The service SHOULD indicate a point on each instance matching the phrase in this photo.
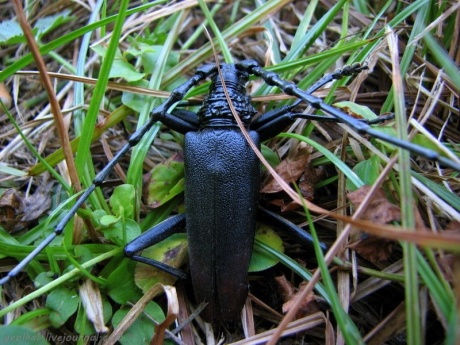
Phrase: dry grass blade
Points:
(294, 327)
(138, 308)
(173, 311)
(56, 109)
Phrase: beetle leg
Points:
(188, 116)
(292, 89)
(274, 121)
(181, 121)
(339, 73)
(271, 218)
(152, 236)
(157, 114)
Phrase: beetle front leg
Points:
(182, 121)
(274, 121)
(188, 116)
(152, 236)
(292, 89)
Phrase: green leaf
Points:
(120, 228)
(421, 140)
(353, 108)
(166, 181)
(96, 217)
(108, 220)
(390, 131)
(123, 69)
(5, 169)
(172, 251)
(271, 156)
(47, 24)
(20, 335)
(150, 54)
(142, 330)
(122, 201)
(83, 253)
(101, 50)
(368, 171)
(260, 261)
(64, 303)
(43, 279)
(135, 101)
(116, 232)
(120, 283)
(11, 33)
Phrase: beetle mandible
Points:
(223, 179)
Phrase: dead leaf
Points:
(10, 203)
(290, 170)
(37, 203)
(373, 248)
(446, 264)
(285, 207)
(173, 311)
(5, 97)
(307, 182)
(289, 294)
(308, 305)
(379, 211)
(284, 287)
(17, 212)
(90, 296)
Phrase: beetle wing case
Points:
(223, 181)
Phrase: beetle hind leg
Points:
(152, 236)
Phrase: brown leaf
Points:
(10, 204)
(16, 212)
(10, 199)
(373, 248)
(284, 287)
(290, 171)
(289, 294)
(453, 227)
(285, 205)
(307, 307)
(446, 263)
(307, 182)
(90, 296)
(36, 204)
(378, 211)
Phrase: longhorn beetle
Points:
(223, 179)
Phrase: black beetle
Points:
(222, 179)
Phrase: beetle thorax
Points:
(216, 111)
